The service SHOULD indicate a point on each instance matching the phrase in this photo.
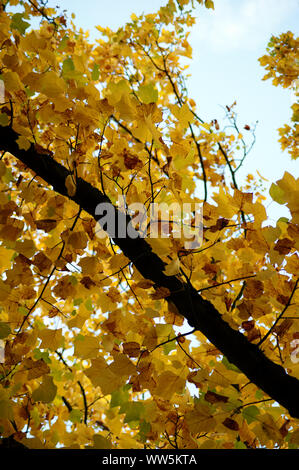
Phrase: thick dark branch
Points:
(200, 313)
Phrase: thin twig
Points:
(279, 316)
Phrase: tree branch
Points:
(200, 313)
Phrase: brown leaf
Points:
(89, 226)
(245, 309)
(42, 262)
(132, 161)
(160, 293)
(46, 224)
(231, 424)
(87, 282)
(248, 325)
(284, 429)
(132, 349)
(220, 224)
(41, 150)
(284, 246)
(282, 299)
(213, 397)
(36, 368)
(23, 259)
(254, 289)
(145, 284)
(181, 339)
(253, 334)
(283, 327)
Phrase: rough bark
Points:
(200, 313)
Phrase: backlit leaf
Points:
(46, 392)
(148, 94)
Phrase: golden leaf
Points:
(70, 185)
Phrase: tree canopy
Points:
(118, 332)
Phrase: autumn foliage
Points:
(118, 343)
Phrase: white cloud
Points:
(243, 24)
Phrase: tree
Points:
(105, 335)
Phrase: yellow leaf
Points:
(51, 339)
(161, 246)
(86, 347)
(173, 268)
(25, 247)
(117, 90)
(12, 82)
(105, 303)
(90, 265)
(122, 366)
(76, 322)
(6, 257)
(51, 85)
(168, 384)
(101, 442)
(5, 405)
(23, 143)
(101, 376)
(4, 290)
(70, 185)
(183, 114)
(200, 419)
(46, 392)
(78, 240)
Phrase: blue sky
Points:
(227, 43)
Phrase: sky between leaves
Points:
(227, 43)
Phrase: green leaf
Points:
(144, 429)
(4, 330)
(95, 74)
(134, 410)
(120, 397)
(73, 280)
(277, 194)
(259, 394)
(4, 121)
(70, 73)
(51, 211)
(101, 442)
(23, 310)
(63, 43)
(17, 22)
(250, 413)
(229, 365)
(209, 4)
(147, 94)
(169, 347)
(88, 305)
(75, 416)
(38, 354)
(283, 219)
(67, 67)
(240, 445)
